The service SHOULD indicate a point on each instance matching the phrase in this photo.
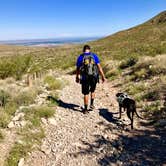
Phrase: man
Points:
(87, 73)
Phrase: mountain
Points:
(148, 38)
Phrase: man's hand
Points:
(103, 79)
(77, 79)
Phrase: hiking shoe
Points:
(85, 111)
(92, 107)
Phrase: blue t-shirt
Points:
(81, 57)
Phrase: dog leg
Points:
(132, 119)
(129, 116)
(120, 111)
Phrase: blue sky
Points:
(26, 19)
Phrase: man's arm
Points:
(101, 72)
(77, 74)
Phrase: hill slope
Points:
(148, 38)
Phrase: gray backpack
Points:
(89, 66)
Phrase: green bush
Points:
(34, 115)
(1, 136)
(11, 108)
(14, 67)
(18, 151)
(25, 98)
(151, 95)
(134, 89)
(53, 83)
(131, 61)
(153, 110)
(4, 98)
(4, 118)
(112, 74)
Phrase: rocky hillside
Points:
(148, 38)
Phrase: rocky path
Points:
(6, 144)
(97, 138)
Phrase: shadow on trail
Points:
(137, 147)
(65, 105)
(107, 115)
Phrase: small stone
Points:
(11, 125)
(18, 116)
(44, 121)
(43, 95)
(45, 149)
(21, 162)
(20, 142)
(23, 123)
(52, 121)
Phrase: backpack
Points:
(89, 66)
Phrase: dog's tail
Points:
(135, 110)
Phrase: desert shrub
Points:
(134, 89)
(20, 150)
(11, 108)
(151, 95)
(14, 67)
(35, 114)
(31, 135)
(45, 112)
(154, 110)
(4, 118)
(1, 136)
(141, 74)
(148, 67)
(112, 74)
(53, 83)
(128, 62)
(4, 98)
(25, 97)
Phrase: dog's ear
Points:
(118, 94)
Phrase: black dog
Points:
(127, 103)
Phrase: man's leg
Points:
(92, 98)
(86, 97)
(85, 92)
(92, 89)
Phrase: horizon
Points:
(71, 19)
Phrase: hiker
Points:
(87, 74)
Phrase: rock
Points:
(18, 116)
(11, 125)
(52, 121)
(21, 162)
(43, 95)
(20, 142)
(40, 102)
(17, 123)
(44, 121)
(45, 149)
(23, 123)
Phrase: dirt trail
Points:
(6, 144)
(97, 138)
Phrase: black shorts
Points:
(89, 85)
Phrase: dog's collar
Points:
(121, 98)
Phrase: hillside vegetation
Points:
(146, 39)
(134, 60)
(124, 52)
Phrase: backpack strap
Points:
(91, 54)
